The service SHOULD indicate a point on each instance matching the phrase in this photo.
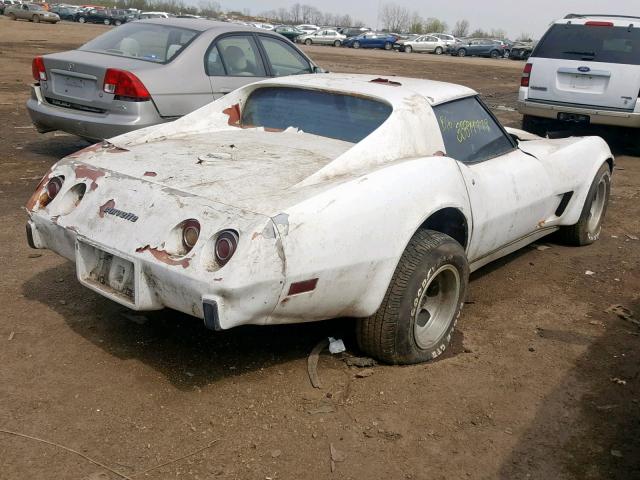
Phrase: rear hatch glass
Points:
(143, 41)
(593, 43)
(332, 115)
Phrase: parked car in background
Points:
(371, 40)
(353, 31)
(322, 37)
(135, 75)
(264, 26)
(504, 46)
(585, 70)
(288, 31)
(7, 3)
(104, 16)
(521, 50)
(66, 12)
(32, 12)
(424, 44)
(402, 39)
(307, 28)
(146, 15)
(207, 216)
(445, 37)
(479, 47)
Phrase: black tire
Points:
(106, 21)
(430, 262)
(589, 226)
(462, 52)
(337, 43)
(308, 41)
(81, 20)
(388, 45)
(35, 19)
(408, 48)
(13, 17)
(117, 23)
(356, 44)
(438, 51)
(536, 125)
(494, 54)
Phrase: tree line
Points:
(301, 14)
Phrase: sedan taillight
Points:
(125, 85)
(38, 71)
(526, 75)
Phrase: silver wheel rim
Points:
(407, 49)
(437, 306)
(597, 206)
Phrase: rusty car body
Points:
(249, 211)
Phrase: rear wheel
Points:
(356, 44)
(589, 226)
(13, 17)
(494, 54)
(462, 52)
(117, 23)
(388, 46)
(35, 19)
(438, 51)
(422, 304)
(106, 21)
(408, 49)
(337, 43)
(81, 20)
(308, 41)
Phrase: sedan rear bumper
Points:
(90, 125)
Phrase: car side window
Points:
(283, 58)
(240, 56)
(470, 132)
(214, 64)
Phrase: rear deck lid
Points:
(592, 64)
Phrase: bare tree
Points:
(461, 29)
(524, 37)
(498, 33)
(394, 17)
(434, 25)
(296, 13)
(479, 33)
(416, 23)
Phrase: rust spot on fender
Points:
(150, 174)
(386, 81)
(110, 204)
(85, 171)
(164, 257)
(233, 112)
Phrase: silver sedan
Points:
(425, 43)
(152, 71)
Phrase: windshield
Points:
(592, 43)
(144, 41)
(332, 115)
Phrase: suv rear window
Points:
(332, 115)
(592, 43)
(144, 41)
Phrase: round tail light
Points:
(226, 245)
(190, 234)
(51, 190)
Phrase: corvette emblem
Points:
(119, 213)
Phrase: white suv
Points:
(584, 70)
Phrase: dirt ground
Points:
(541, 383)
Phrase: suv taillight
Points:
(526, 75)
(38, 71)
(125, 85)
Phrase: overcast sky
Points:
(516, 17)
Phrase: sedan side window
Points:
(469, 131)
(283, 58)
(240, 56)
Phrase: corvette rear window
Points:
(591, 43)
(143, 41)
(332, 115)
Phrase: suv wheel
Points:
(117, 23)
(462, 52)
(494, 54)
(81, 20)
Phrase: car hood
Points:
(251, 169)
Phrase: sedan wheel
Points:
(422, 304)
(36, 19)
(356, 44)
(462, 52)
(438, 51)
(117, 23)
(337, 43)
(13, 17)
(408, 49)
(81, 20)
(494, 54)
(308, 41)
(388, 46)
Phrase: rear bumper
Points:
(597, 116)
(93, 126)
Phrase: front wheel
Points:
(117, 23)
(308, 41)
(423, 302)
(36, 19)
(388, 46)
(589, 226)
(356, 44)
(462, 52)
(438, 51)
(494, 54)
(408, 49)
(106, 21)
(13, 17)
(81, 20)
(337, 43)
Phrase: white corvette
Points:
(313, 197)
